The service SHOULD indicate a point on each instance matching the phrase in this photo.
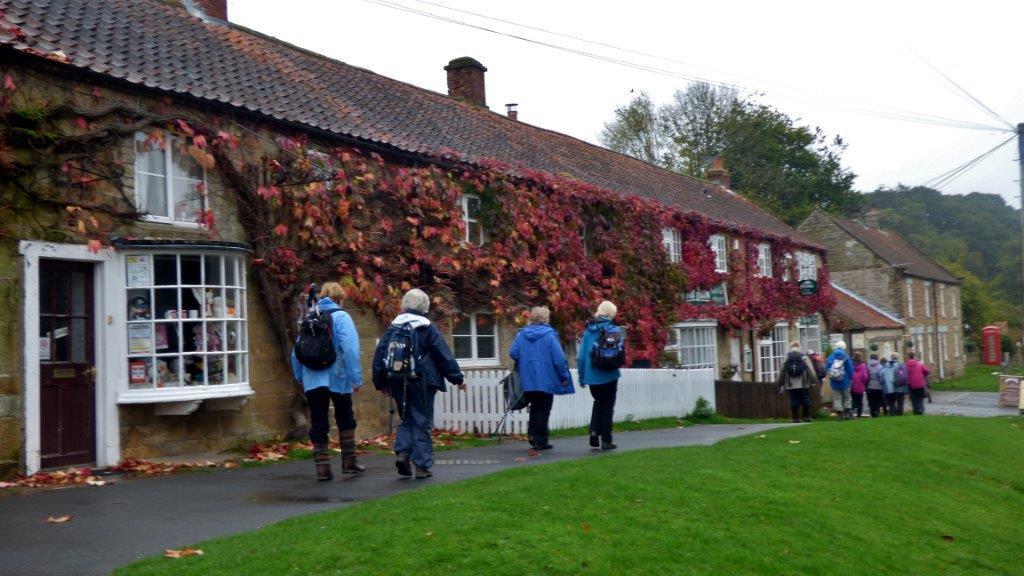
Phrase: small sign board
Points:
(808, 287)
(716, 295)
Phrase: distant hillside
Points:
(976, 233)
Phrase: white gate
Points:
(642, 394)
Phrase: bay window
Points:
(694, 346)
(185, 321)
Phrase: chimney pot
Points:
(512, 109)
(466, 80)
(718, 173)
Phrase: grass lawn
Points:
(977, 378)
(933, 495)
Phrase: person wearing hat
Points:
(840, 373)
(797, 377)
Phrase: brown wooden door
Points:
(66, 363)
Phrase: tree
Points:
(786, 168)
(637, 131)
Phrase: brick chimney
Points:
(717, 173)
(213, 8)
(513, 110)
(466, 80)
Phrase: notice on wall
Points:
(140, 338)
(44, 348)
(139, 270)
(858, 341)
(60, 332)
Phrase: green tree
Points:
(786, 168)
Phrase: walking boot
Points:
(796, 414)
(807, 414)
(422, 473)
(349, 463)
(402, 463)
(322, 461)
(607, 444)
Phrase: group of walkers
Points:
(411, 363)
(885, 381)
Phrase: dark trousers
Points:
(917, 396)
(876, 402)
(895, 401)
(413, 434)
(540, 412)
(800, 399)
(858, 403)
(604, 409)
(319, 422)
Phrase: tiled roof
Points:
(160, 46)
(858, 313)
(892, 248)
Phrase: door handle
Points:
(91, 371)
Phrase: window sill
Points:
(487, 363)
(169, 222)
(184, 394)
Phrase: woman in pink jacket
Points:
(917, 381)
(859, 383)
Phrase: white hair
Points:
(540, 315)
(416, 300)
(607, 309)
(840, 345)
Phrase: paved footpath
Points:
(131, 519)
(962, 403)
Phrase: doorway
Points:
(67, 373)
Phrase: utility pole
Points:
(1020, 163)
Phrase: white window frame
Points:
(475, 360)
(942, 300)
(807, 266)
(170, 141)
(695, 345)
(217, 316)
(718, 246)
(764, 260)
(809, 331)
(956, 344)
(772, 352)
(952, 303)
(944, 346)
(786, 276)
(927, 299)
(930, 339)
(672, 241)
(464, 202)
(910, 297)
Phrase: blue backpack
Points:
(609, 350)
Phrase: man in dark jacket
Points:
(415, 396)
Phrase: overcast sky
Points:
(809, 59)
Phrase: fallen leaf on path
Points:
(7, 484)
(429, 534)
(96, 482)
(230, 464)
(585, 526)
(759, 436)
(520, 459)
(59, 519)
(794, 441)
(182, 553)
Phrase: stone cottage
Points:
(171, 181)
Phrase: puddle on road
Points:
(275, 498)
(461, 461)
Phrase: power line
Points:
(899, 115)
(938, 182)
(962, 92)
(901, 111)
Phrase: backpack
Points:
(819, 366)
(609, 350)
(314, 348)
(901, 375)
(400, 354)
(512, 385)
(838, 370)
(795, 366)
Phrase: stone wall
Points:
(11, 421)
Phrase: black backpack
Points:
(795, 366)
(314, 348)
(400, 354)
(609, 350)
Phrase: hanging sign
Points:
(808, 287)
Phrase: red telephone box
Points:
(991, 350)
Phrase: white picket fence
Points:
(642, 394)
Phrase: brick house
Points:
(896, 277)
(163, 343)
